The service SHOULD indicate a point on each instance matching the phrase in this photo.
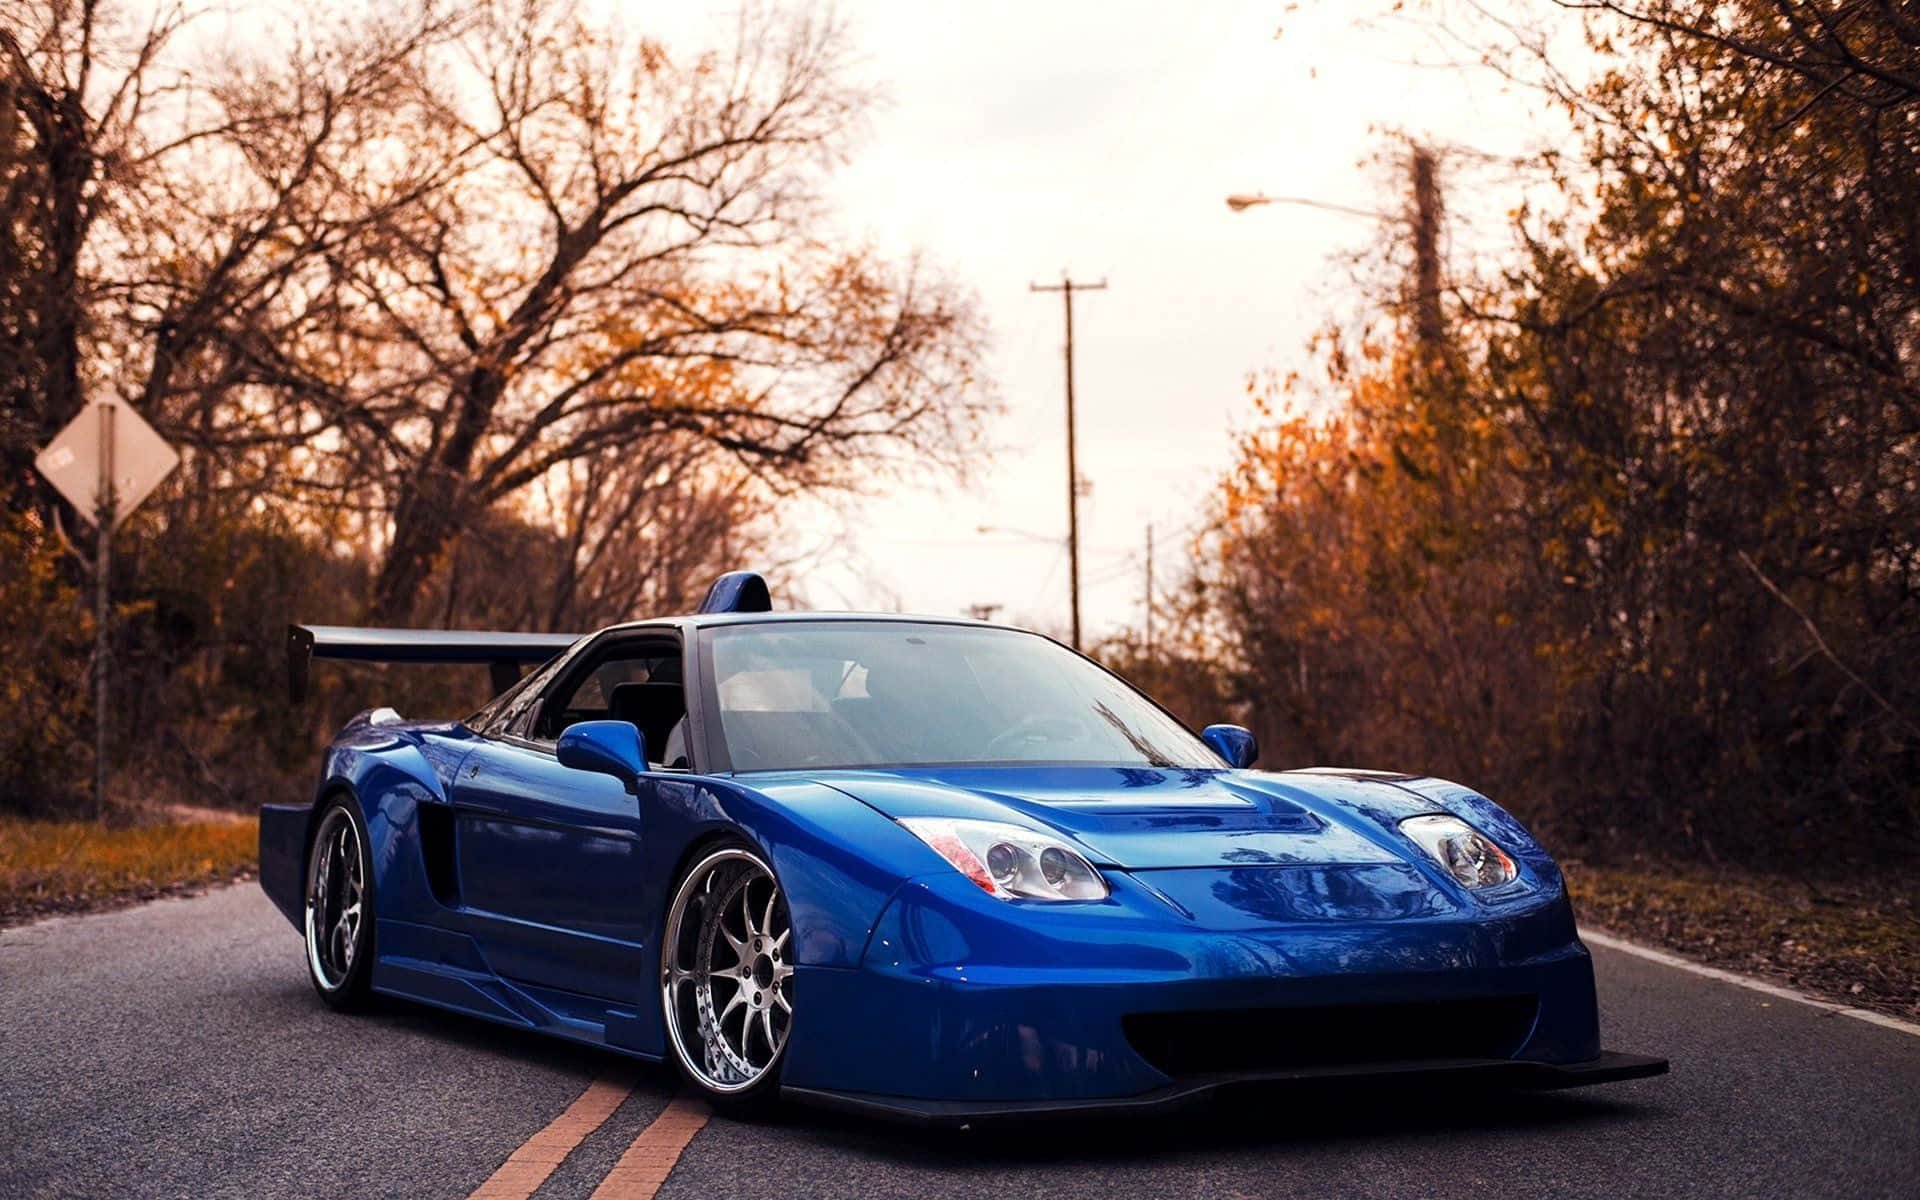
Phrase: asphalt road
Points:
(177, 1050)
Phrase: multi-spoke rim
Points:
(727, 971)
(336, 890)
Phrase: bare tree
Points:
(66, 117)
(624, 246)
(405, 266)
(1864, 51)
(646, 529)
(172, 214)
(625, 532)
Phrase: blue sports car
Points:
(929, 869)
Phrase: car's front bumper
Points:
(965, 1007)
(1609, 1067)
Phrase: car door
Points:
(549, 856)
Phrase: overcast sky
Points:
(1023, 139)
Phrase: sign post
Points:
(105, 462)
(103, 521)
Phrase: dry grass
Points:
(71, 866)
(1855, 943)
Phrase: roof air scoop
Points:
(738, 592)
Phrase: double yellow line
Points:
(637, 1176)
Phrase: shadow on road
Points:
(504, 1041)
(1272, 1116)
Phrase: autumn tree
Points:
(1715, 393)
(1642, 562)
(622, 245)
(397, 275)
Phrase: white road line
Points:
(1757, 985)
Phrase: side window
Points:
(507, 710)
(641, 682)
(590, 700)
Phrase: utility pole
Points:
(1149, 591)
(1067, 287)
(1429, 325)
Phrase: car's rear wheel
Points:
(726, 975)
(339, 908)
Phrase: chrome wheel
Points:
(727, 972)
(336, 899)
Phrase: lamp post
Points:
(1423, 216)
(1242, 201)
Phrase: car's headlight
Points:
(1468, 855)
(1009, 861)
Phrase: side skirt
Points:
(476, 992)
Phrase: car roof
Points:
(710, 620)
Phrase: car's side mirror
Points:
(613, 748)
(1232, 743)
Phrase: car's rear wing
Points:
(503, 653)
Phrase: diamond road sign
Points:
(106, 432)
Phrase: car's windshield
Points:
(795, 694)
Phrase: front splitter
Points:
(1611, 1066)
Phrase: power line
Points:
(1149, 591)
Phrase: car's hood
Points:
(1151, 818)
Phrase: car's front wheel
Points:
(727, 975)
(339, 907)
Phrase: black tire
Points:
(338, 920)
(728, 903)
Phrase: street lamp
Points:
(1242, 201)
